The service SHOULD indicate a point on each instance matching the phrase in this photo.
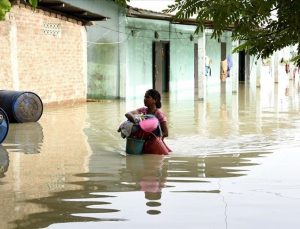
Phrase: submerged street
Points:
(234, 165)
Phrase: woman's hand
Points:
(131, 116)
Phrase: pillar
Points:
(201, 67)
(258, 72)
(235, 69)
(275, 63)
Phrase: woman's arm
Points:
(164, 128)
(130, 115)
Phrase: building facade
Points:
(57, 53)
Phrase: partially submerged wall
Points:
(43, 53)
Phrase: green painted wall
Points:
(104, 48)
(213, 51)
(120, 53)
(140, 54)
(182, 58)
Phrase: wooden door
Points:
(161, 66)
(158, 67)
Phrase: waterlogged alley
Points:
(235, 164)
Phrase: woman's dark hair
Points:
(156, 96)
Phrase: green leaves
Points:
(264, 25)
(34, 3)
(122, 3)
(5, 7)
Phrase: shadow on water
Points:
(151, 175)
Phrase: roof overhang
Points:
(147, 14)
(68, 10)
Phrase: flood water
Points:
(235, 164)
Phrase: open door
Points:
(242, 58)
(161, 66)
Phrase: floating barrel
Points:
(4, 125)
(21, 106)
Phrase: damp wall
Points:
(105, 42)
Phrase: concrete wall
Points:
(182, 58)
(213, 51)
(104, 46)
(48, 61)
(140, 55)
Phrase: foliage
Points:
(5, 6)
(122, 2)
(34, 3)
(264, 25)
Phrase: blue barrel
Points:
(4, 125)
(21, 106)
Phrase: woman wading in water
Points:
(154, 141)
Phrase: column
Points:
(258, 72)
(274, 63)
(235, 69)
(201, 67)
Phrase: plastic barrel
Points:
(4, 125)
(21, 106)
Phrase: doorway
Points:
(223, 51)
(196, 67)
(242, 58)
(161, 66)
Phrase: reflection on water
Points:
(25, 138)
(153, 176)
(235, 160)
(4, 161)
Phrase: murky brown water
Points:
(235, 165)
